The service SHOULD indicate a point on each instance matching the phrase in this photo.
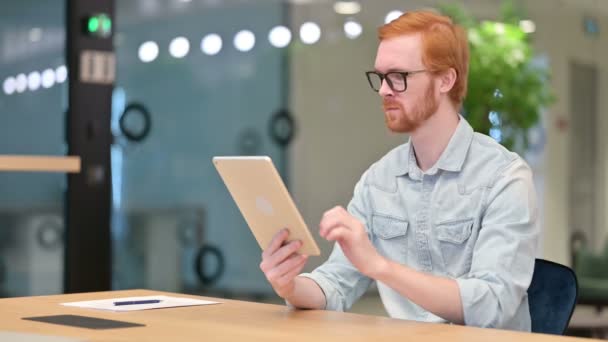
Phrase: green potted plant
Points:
(506, 91)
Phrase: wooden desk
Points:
(239, 321)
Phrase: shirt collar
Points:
(451, 159)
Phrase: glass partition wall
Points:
(32, 106)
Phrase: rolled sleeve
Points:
(340, 281)
(332, 300)
(494, 292)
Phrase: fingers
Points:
(339, 233)
(292, 273)
(335, 210)
(285, 267)
(337, 217)
(279, 260)
(276, 243)
(328, 223)
(284, 252)
(271, 261)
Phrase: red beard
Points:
(400, 121)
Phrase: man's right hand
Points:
(281, 263)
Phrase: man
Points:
(446, 224)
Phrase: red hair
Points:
(444, 45)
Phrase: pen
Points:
(133, 302)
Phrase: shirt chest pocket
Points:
(453, 242)
(390, 236)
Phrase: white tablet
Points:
(261, 195)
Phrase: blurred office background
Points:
(277, 78)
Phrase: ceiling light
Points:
(310, 33)
(33, 80)
(352, 29)
(279, 36)
(244, 40)
(48, 78)
(147, 51)
(61, 74)
(179, 47)
(211, 44)
(347, 7)
(392, 15)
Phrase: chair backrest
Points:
(552, 296)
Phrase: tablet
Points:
(263, 199)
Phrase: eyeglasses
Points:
(397, 80)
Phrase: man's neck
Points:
(431, 139)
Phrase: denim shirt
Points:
(472, 217)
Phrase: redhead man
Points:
(445, 224)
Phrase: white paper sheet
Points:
(165, 302)
(7, 336)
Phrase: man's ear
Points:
(447, 80)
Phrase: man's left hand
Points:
(339, 225)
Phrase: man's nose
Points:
(385, 90)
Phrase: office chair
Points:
(552, 296)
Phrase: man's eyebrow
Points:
(389, 70)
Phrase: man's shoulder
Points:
(487, 157)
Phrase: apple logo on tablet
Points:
(264, 205)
